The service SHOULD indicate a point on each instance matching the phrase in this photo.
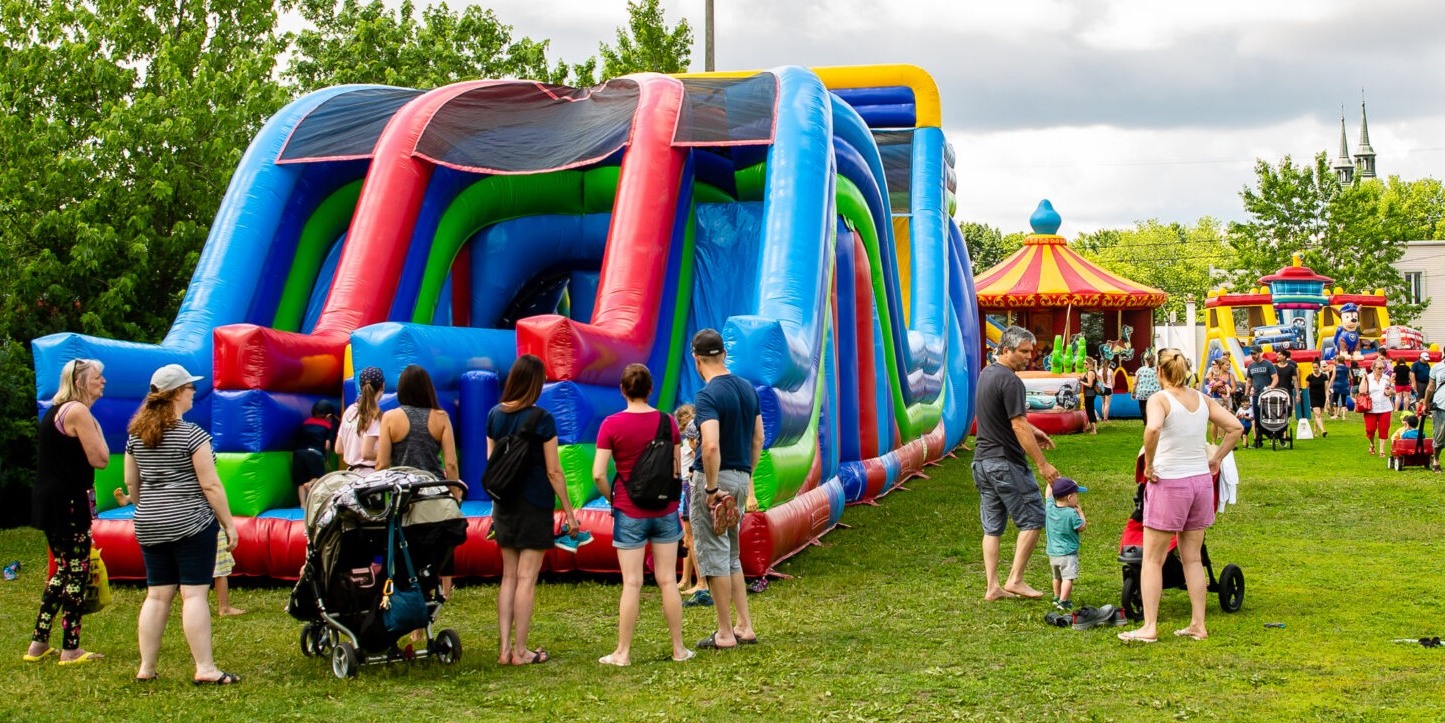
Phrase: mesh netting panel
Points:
(346, 126)
(527, 127)
(896, 149)
(727, 111)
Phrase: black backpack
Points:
(507, 465)
(652, 485)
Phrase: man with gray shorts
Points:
(1006, 486)
(722, 478)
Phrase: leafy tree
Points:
(1172, 257)
(121, 124)
(646, 44)
(987, 246)
(1354, 234)
(356, 42)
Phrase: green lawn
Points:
(883, 621)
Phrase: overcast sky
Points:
(1116, 110)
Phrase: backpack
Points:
(507, 465)
(652, 485)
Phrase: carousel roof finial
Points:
(1045, 220)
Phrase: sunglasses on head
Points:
(75, 370)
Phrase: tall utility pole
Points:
(708, 63)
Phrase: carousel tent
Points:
(1045, 287)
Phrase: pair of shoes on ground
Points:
(569, 543)
(701, 598)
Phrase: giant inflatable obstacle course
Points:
(805, 213)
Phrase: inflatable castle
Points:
(806, 213)
(1295, 308)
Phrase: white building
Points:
(1423, 266)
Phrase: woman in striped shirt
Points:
(170, 470)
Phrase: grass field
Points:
(884, 621)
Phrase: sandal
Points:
(710, 643)
(148, 678)
(225, 679)
(37, 658)
(83, 658)
(1133, 637)
(539, 656)
(724, 515)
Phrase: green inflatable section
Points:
(107, 481)
(577, 468)
(256, 481)
(327, 223)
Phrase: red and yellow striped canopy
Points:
(1046, 273)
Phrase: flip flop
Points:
(1184, 633)
(608, 660)
(689, 656)
(539, 656)
(746, 641)
(1131, 637)
(710, 643)
(225, 679)
(37, 658)
(150, 679)
(85, 657)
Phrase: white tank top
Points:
(1181, 451)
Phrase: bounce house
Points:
(804, 213)
(1295, 309)
(1047, 287)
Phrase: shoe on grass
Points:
(1087, 617)
(701, 598)
(1064, 605)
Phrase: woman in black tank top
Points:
(71, 448)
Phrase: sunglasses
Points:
(75, 371)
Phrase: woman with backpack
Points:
(646, 447)
(522, 519)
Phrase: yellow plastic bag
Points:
(97, 590)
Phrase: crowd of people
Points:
(186, 534)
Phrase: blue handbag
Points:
(402, 610)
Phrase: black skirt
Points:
(522, 525)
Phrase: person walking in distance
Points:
(732, 440)
(1006, 486)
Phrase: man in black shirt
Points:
(1006, 486)
(1288, 372)
(1261, 375)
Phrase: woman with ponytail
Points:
(360, 432)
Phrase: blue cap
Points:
(1063, 487)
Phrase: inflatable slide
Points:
(806, 213)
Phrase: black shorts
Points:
(522, 525)
(307, 463)
(187, 561)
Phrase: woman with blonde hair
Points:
(523, 523)
(359, 436)
(1380, 388)
(180, 506)
(1179, 471)
(71, 448)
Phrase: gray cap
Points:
(171, 376)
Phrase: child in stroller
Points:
(1229, 585)
(1410, 446)
(1276, 411)
(374, 546)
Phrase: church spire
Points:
(1365, 156)
(1344, 169)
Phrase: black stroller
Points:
(1229, 585)
(1276, 412)
(373, 543)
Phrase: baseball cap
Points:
(1426, 355)
(171, 376)
(707, 342)
(1063, 487)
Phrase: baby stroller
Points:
(1276, 411)
(1229, 585)
(373, 544)
(1418, 452)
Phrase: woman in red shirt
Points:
(622, 438)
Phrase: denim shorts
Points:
(1007, 490)
(631, 533)
(187, 561)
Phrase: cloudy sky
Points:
(1116, 110)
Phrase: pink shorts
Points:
(1173, 505)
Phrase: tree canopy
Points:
(1172, 257)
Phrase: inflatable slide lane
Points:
(805, 213)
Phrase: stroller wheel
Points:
(447, 648)
(308, 640)
(1131, 598)
(1231, 588)
(344, 663)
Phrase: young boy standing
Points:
(1064, 521)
